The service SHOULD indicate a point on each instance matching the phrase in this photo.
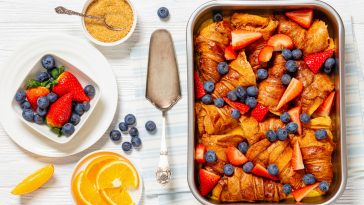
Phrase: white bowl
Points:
(94, 40)
(84, 80)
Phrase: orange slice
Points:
(95, 165)
(117, 196)
(34, 181)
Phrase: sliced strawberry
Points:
(302, 17)
(208, 181)
(241, 38)
(294, 113)
(299, 194)
(293, 90)
(296, 161)
(234, 156)
(316, 60)
(199, 91)
(230, 53)
(263, 172)
(259, 112)
(325, 107)
(237, 105)
(265, 54)
(200, 153)
(280, 41)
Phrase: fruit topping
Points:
(302, 17)
(230, 53)
(163, 12)
(287, 54)
(241, 38)
(243, 147)
(228, 169)
(252, 91)
(259, 170)
(285, 117)
(296, 161)
(280, 42)
(299, 194)
(219, 102)
(232, 95)
(273, 169)
(222, 68)
(251, 102)
(241, 93)
(248, 167)
(271, 135)
(209, 86)
(235, 113)
(206, 99)
(320, 134)
(297, 54)
(309, 179)
(282, 134)
(325, 107)
(200, 153)
(262, 74)
(294, 114)
(115, 135)
(292, 127)
(210, 156)
(237, 105)
(265, 55)
(150, 126)
(294, 89)
(234, 156)
(329, 65)
(324, 186)
(208, 181)
(286, 79)
(316, 60)
(287, 189)
(217, 17)
(291, 66)
(259, 112)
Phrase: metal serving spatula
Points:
(163, 89)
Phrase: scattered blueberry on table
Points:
(163, 12)
(130, 119)
(123, 127)
(134, 132)
(150, 126)
(228, 169)
(115, 135)
(126, 146)
(136, 142)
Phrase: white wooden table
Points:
(22, 19)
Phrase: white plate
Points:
(90, 61)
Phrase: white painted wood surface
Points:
(22, 19)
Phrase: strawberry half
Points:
(296, 161)
(199, 90)
(294, 113)
(237, 105)
(60, 111)
(302, 17)
(325, 107)
(200, 153)
(299, 194)
(68, 83)
(234, 156)
(259, 112)
(265, 54)
(230, 53)
(293, 90)
(34, 93)
(280, 42)
(316, 60)
(241, 38)
(261, 171)
(208, 181)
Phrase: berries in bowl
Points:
(56, 98)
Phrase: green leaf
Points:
(61, 69)
(32, 84)
(55, 73)
(57, 131)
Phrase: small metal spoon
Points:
(62, 10)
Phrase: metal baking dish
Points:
(336, 29)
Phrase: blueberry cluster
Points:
(291, 65)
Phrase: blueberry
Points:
(243, 147)
(228, 169)
(291, 66)
(241, 93)
(48, 62)
(38, 119)
(134, 132)
(286, 79)
(223, 68)
(52, 97)
(327, 70)
(25, 105)
(248, 167)
(206, 99)
(287, 189)
(28, 115)
(163, 12)
(115, 135)
(219, 102)
(41, 112)
(136, 142)
(232, 95)
(209, 86)
(251, 102)
(252, 91)
(271, 135)
(20, 96)
(292, 127)
(89, 90)
(309, 179)
(273, 169)
(320, 134)
(330, 63)
(86, 106)
(150, 126)
(285, 117)
(130, 119)
(79, 109)
(42, 76)
(43, 102)
(68, 129)
(210, 156)
(75, 119)
(287, 54)
(123, 127)
(235, 113)
(282, 134)
(304, 118)
(297, 54)
(324, 186)
(126, 146)
(262, 74)
(217, 17)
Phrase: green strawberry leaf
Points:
(56, 72)
(57, 131)
(32, 84)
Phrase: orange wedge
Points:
(34, 181)
(95, 165)
(117, 196)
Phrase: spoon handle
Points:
(163, 173)
(62, 10)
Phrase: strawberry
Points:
(265, 54)
(60, 111)
(208, 181)
(234, 156)
(237, 105)
(200, 153)
(199, 90)
(263, 172)
(299, 194)
(296, 161)
(325, 107)
(34, 93)
(241, 38)
(316, 60)
(230, 53)
(68, 83)
(280, 41)
(259, 112)
(302, 17)
(294, 113)
(293, 90)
